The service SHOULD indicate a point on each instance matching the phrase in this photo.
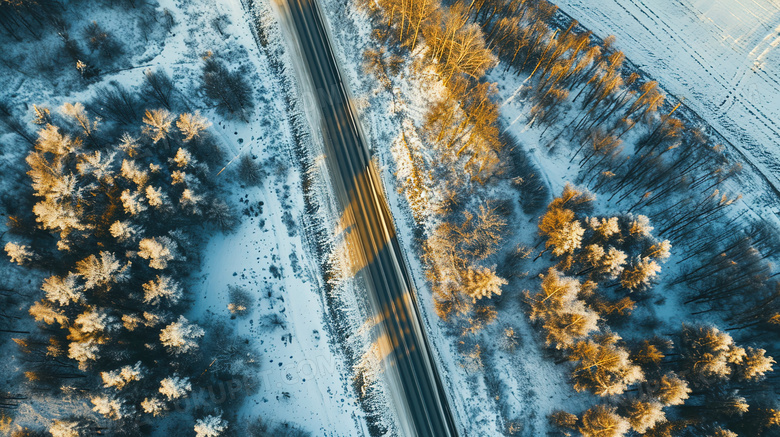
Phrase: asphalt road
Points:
(401, 340)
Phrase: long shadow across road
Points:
(420, 397)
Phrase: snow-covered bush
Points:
(210, 426)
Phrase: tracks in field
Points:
(737, 119)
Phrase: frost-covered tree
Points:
(570, 323)
(123, 230)
(175, 387)
(19, 253)
(163, 287)
(191, 201)
(210, 426)
(605, 227)
(482, 282)
(66, 428)
(603, 367)
(603, 421)
(754, 364)
(672, 390)
(640, 273)
(706, 351)
(564, 233)
(660, 251)
(42, 311)
(557, 291)
(644, 414)
(83, 352)
(158, 250)
(131, 171)
(640, 227)
(102, 271)
(119, 378)
(63, 290)
(153, 406)
(181, 336)
(565, 318)
(156, 197)
(111, 407)
(92, 324)
(132, 202)
(191, 125)
(97, 165)
(183, 158)
(158, 124)
(720, 432)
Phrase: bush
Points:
(228, 90)
(250, 172)
(240, 301)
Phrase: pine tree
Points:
(83, 352)
(570, 323)
(123, 230)
(210, 426)
(65, 428)
(19, 253)
(643, 415)
(563, 232)
(755, 364)
(249, 172)
(482, 282)
(705, 349)
(158, 250)
(42, 311)
(603, 367)
(103, 271)
(132, 202)
(605, 228)
(640, 273)
(110, 407)
(153, 406)
(672, 390)
(602, 421)
(175, 387)
(119, 378)
(157, 198)
(158, 124)
(63, 290)
(180, 337)
(191, 125)
(164, 287)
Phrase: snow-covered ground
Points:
(302, 377)
(722, 57)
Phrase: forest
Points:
(112, 187)
(108, 200)
(649, 221)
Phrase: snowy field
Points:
(722, 57)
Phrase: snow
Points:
(720, 56)
(303, 379)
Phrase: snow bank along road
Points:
(401, 342)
